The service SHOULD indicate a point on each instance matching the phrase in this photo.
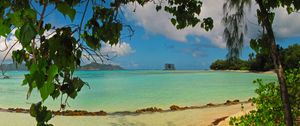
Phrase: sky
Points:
(156, 41)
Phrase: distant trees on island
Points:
(90, 66)
(260, 62)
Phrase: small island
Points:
(91, 66)
(97, 66)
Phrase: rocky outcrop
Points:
(151, 109)
(18, 110)
(79, 113)
(218, 120)
(210, 104)
(169, 66)
(175, 108)
(64, 113)
(228, 102)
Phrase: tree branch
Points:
(6, 56)
(38, 29)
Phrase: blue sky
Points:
(156, 41)
(153, 51)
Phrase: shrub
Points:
(269, 108)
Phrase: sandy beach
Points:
(248, 71)
(191, 117)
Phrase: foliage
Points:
(52, 59)
(261, 61)
(261, 45)
(41, 114)
(219, 65)
(265, 15)
(184, 12)
(237, 64)
(268, 102)
(291, 56)
(235, 27)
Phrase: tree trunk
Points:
(277, 63)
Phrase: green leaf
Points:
(52, 72)
(289, 10)
(271, 17)
(48, 116)
(15, 18)
(173, 20)
(66, 9)
(41, 114)
(48, 26)
(46, 90)
(207, 23)
(55, 94)
(33, 68)
(17, 33)
(4, 29)
(78, 83)
(73, 94)
(30, 14)
(32, 110)
(27, 33)
(158, 8)
(39, 78)
(91, 41)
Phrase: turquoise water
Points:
(130, 90)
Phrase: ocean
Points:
(129, 90)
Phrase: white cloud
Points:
(159, 22)
(108, 53)
(6, 44)
(121, 49)
(286, 25)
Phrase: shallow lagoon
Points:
(131, 90)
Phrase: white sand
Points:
(194, 117)
(238, 114)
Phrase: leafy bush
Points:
(236, 64)
(291, 56)
(269, 108)
(261, 61)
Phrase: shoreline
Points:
(248, 71)
(148, 110)
(189, 117)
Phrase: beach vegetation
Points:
(236, 28)
(260, 61)
(291, 56)
(269, 108)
